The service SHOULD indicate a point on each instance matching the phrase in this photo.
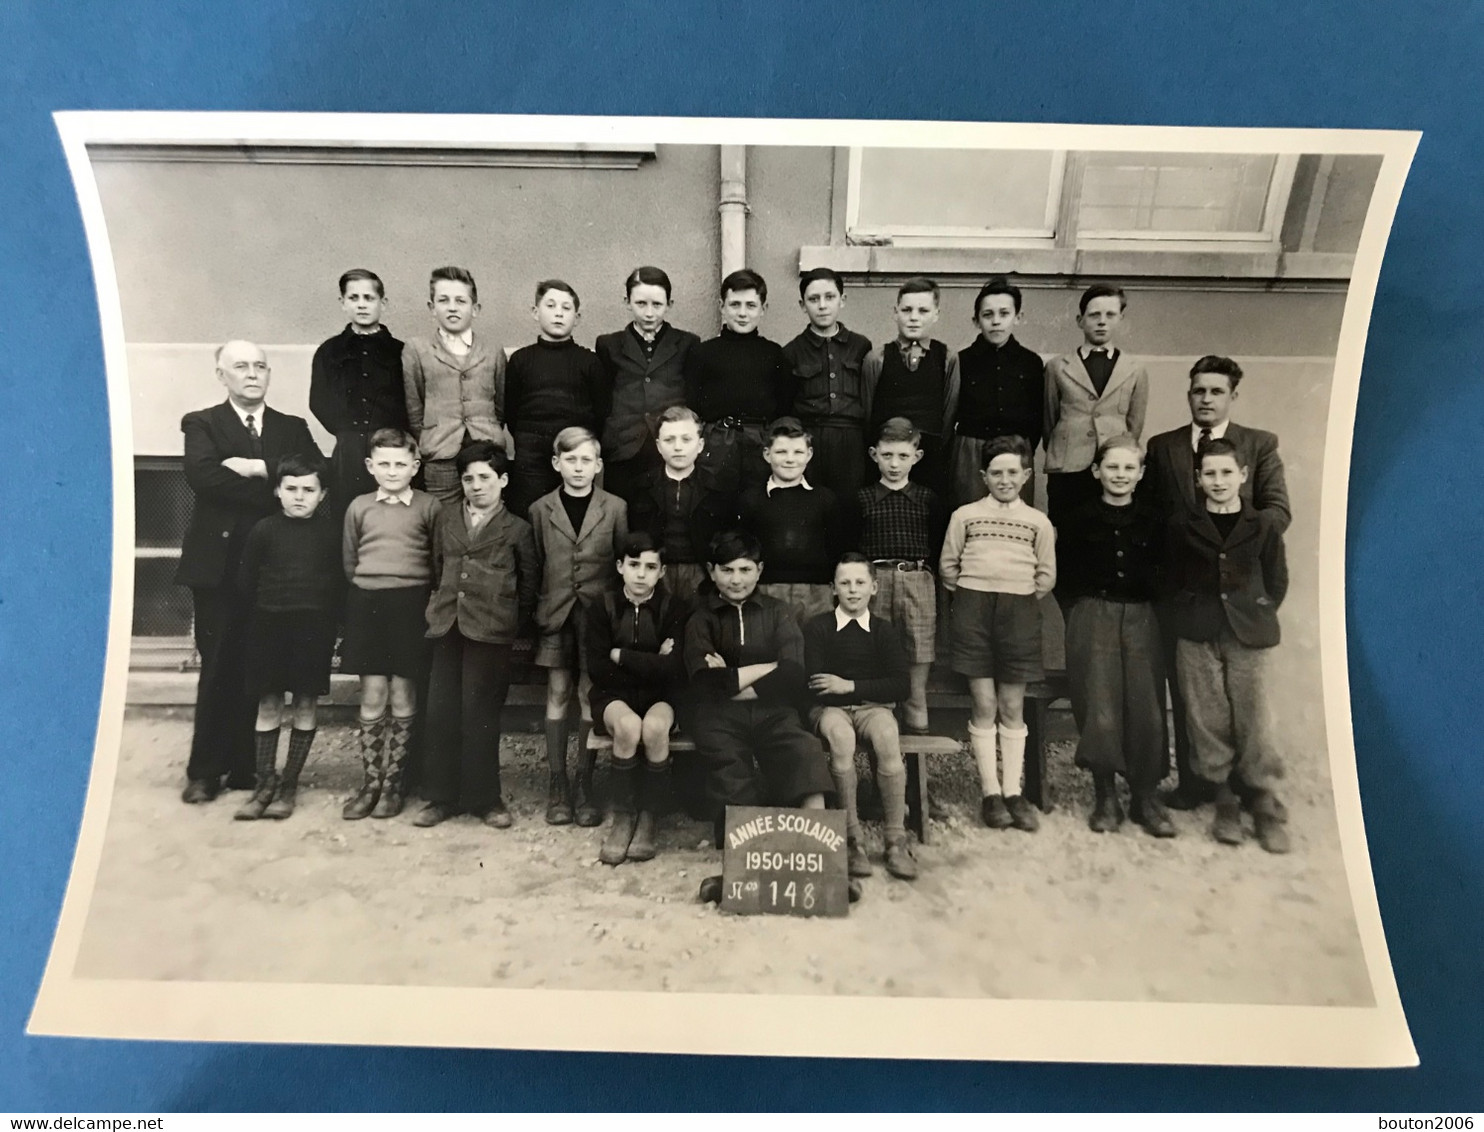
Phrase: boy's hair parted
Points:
(896, 430)
(998, 285)
(919, 285)
(356, 275)
(298, 464)
(574, 436)
(1218, 446)
(1008, 446)
(745, 280)
(1215, 363)
(482, 452)
(391, 438)
(636, 543)
(1102, 291)
(558, 285)
(676, 414)
(728, 546)
(646, 277)
(788, 428)
(453, 275)
(1124, 441)
(815, 274)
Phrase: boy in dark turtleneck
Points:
(738, 382)
(549, 385)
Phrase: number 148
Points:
(792, 895)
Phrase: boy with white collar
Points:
(857, 667)
(798, 524)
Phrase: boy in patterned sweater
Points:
(998, 561)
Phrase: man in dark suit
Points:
(1170, 483)
(230, 452)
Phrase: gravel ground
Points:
(185, 893)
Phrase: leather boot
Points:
(389, 805)
(265, 779)
(654, 780)
(584, 804)
(1107, 813)
(621, 786)
(372, 738)
(558, 790)
(288, 784)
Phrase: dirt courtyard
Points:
(186, 893)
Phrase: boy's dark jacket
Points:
(486, 581)
(636, 670)
(1237, 583)
(227, 505)
(715, 510)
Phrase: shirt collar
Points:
(842, 619)
(772, 483)
(887, 489)
(1217, 432)
(821, 339)
(1085, 351)
(472, 517)
(648, 339)
(243, 414)
(403, 497)
(1232, 508)
(673, 478)
(466, 336)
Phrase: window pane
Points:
(1221, 193)
(969, 189)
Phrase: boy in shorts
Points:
(998, 560)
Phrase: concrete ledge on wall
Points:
(1185, 267)
(527, 155)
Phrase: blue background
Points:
(1415, 521)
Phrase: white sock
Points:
(981, 743)
(1012, 750)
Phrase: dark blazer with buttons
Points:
(575, 563)
(641, 386)
(486, 580)
(1237, 582)
(227, 505)
(1169, 481)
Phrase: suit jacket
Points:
(575, 563)
(640, 387)
(1078, 420)
(227, 505)
(486, 580)
(447, 395)
(1169, 481)
(1236, 582)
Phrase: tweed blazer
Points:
(576, 564)
(486, 579)
(1169, 481)
(226, 506)
(1236, 582)
(447, 395)
(1077, 419)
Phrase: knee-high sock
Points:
(372, 736)
(845, 787)
(300, 740)
(265, 756)
(399, 733)
(982, 744)
(1012, 752)
(893, 789)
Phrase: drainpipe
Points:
(733, 208)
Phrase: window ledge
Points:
(527, 155)
(866, 264)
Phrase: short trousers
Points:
(806, 599)
(289, 651)
(637, 702)
(908, 599)
(562, 648)
(995, 636)
(386, 632)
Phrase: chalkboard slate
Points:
(784, 862)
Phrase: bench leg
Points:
(917, 799)
(1035, 763)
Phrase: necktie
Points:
(1205, 438)
(257, 437)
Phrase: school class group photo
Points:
(763, 547)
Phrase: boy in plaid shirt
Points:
(900, 528)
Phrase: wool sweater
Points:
(389, 545)
(996, 547)
(738, 375)
(876, 659)
(550, 385)
(292, 563)
(799, 528)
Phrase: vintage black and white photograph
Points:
(811, 587)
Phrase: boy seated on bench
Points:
(744, 654)
(857, 666)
